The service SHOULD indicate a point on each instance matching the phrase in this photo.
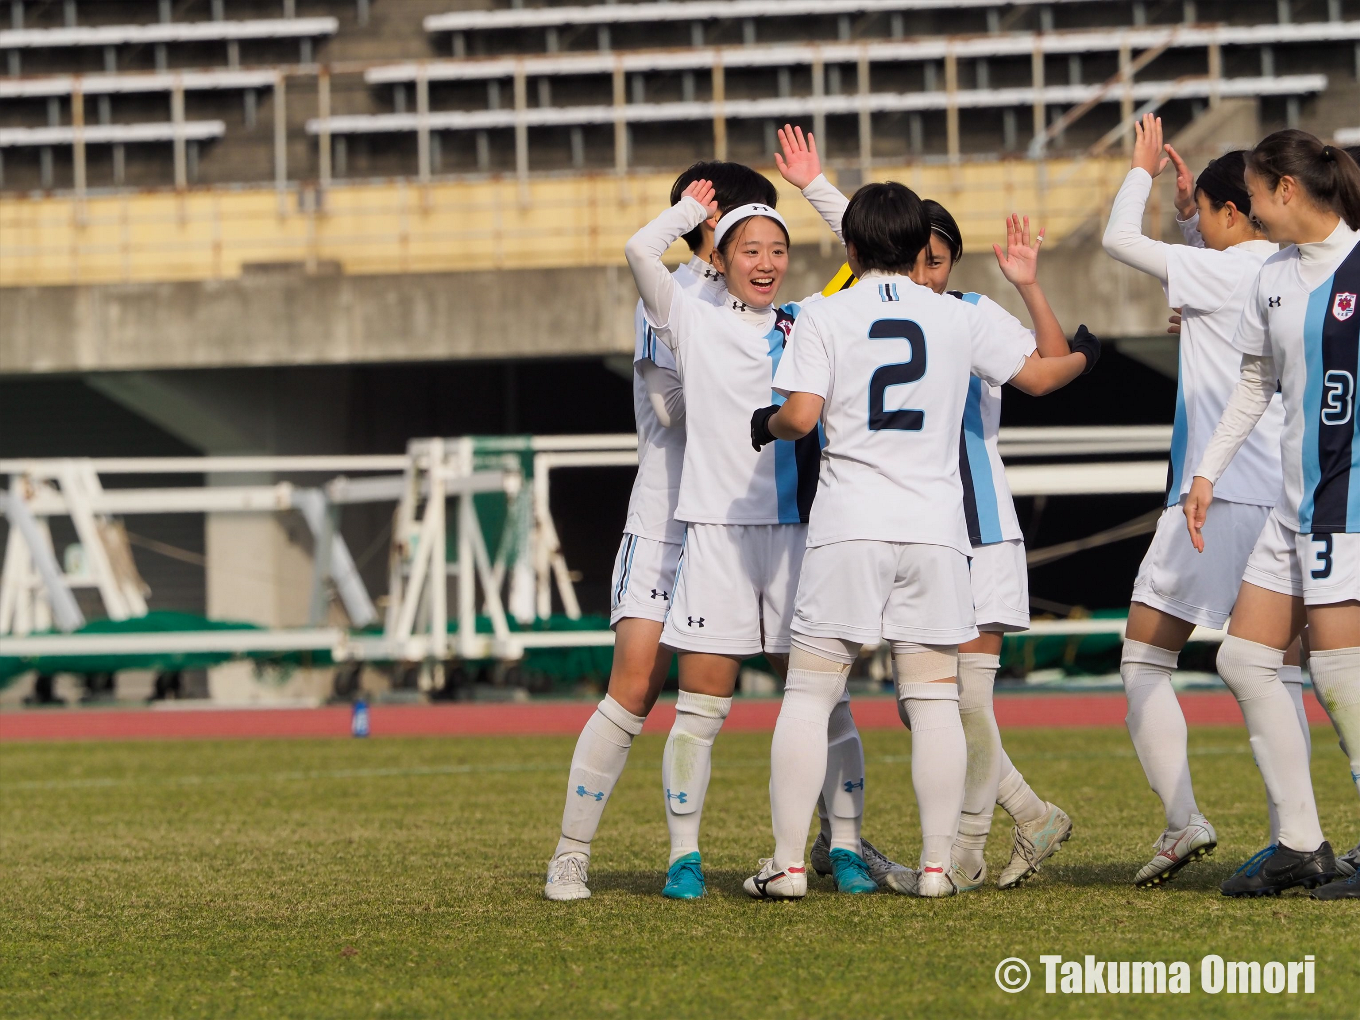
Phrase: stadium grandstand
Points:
(326, 228)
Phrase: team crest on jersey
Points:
(1343, 306)
(784, 325)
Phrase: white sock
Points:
(601, 753)
(686, 764)
(982, 782)
(798, 751)
(939, 763)
(1015, 796)
(1292, 678)
(1157, 726)
(843, 788)
(1336, 681)
(1251, 672)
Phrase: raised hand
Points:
(1185, 185)
(1147, 145)
(1019, 261)
(799, 163)
(703, 193)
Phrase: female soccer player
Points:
(1300, 332)
(1209, 280)
(888, 544)
(644, 570)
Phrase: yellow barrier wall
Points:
(448, 226)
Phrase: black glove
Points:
(760, 427)
(1087, 343)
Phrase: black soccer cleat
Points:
(1277, 868)
(1341, 889)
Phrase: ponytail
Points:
(1327, 172)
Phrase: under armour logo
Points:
(1275, 302)
(738, 306)
(661, 595)
(680, 797)
(696, 623)
(581, 791)
(711, 274)
(851, 787)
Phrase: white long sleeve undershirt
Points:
(644, 251)
(1124, 240)
(830, 204)
(1248, 403)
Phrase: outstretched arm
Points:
(800, 165)
(1187, 213)
(1019, 263)
(1039, 375)
(1124, 238)
(645, 248)
(1248, 403)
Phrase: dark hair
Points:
(1354, 152)
(888, 226)
(1224, 181)
(734, 184)
(945, 225)
(1327, 172)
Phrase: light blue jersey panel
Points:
(1313, 321)
(1180, 438)
(979, 486)
(785, 452)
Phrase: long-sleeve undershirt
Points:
(830, 204)
(644, 251)
(1124, 239)
(1249, 401)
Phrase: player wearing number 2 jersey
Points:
(884, 368)
(1300, 330)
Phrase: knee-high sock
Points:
(686, 764)
(601, 752)
(798, 751)
(939, 763)
(981, 784)
(843, 788)
(1251, 672)
(1157, 726)
(1336, 679)
(1292, 678)
(1015, 796)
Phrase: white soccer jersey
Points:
(661, 450)
(988, 506)
(1313, 333)
(893, 360)
(1211, 288)
(726, 357)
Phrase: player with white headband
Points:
(1300, 332)
(745, 511)
(1209, 280)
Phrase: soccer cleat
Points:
(685, 879)
(820, 857)
(1175, 849)
(1034, 842)
(1277, 868)
(934, 881)
(1341, 889)
(567, 877)
(769, 884)
(851, 873)
(963, 883)
(880, 866)
(1349, 863)
(905, 882)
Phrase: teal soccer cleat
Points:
(685, 879)
(851, 873)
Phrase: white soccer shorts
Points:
(1319, 568)
(1200, 588)
(734, 589)
(867, 591)
(644, 579)
(1000, 583)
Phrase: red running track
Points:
(1215, 708)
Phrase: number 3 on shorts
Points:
(1323, 557)
(906, 419)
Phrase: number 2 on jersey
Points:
(906, 419)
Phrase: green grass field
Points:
(403, 878)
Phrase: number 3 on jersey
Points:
(906, 419)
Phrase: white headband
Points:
(742, 212)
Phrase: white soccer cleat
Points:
(771, 884)
(1034, 842)
(1347, 864)
(1175, 849)
(963, 882)
(934, 881)
(567, 877)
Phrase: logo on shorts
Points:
(1343, 306)
(663, 595)
(696, 621)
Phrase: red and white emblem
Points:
(1343, 306)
